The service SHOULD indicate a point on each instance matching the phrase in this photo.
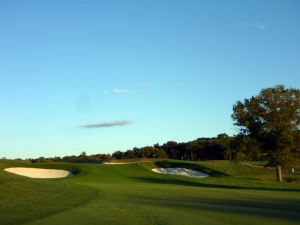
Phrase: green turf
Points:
(132, 194)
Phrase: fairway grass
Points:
(133, 194)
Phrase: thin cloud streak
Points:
(255, 24)
(259, 25)
(106, 124)
(120, 91)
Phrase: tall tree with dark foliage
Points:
(273, 119)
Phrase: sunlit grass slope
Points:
(132, 194)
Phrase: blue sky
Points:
(156, 70)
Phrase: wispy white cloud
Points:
(106, 124)
(120, 91)
(255, 24)
(259, 25)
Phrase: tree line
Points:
(269, 130)
(222, 147)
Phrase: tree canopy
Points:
(273, 119)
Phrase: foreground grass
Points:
(23, 199)
(132, 194)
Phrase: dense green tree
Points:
(273, 119)
(195, 150)
(117, 155)
(244, 148)
(223, 142)
(171, 148)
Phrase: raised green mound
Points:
(133, 194)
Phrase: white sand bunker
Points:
(115, 163)
(180, 171)
(122, 163)
(39, 173)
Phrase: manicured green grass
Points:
(132, 194)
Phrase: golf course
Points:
(151, 112)
(233, 193)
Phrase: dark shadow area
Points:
(265, 208)
(192, 166)
(156, 180)
(293, 179)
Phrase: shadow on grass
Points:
(157, 180)
(279, 209)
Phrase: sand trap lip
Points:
(122, 163)
(181, 172)
(115, 163)
(39, 173)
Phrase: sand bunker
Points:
(39, 173)
(180, 171)
(122, 163)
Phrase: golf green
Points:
(132, 194)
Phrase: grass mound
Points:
(24, 199)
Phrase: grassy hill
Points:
(132, 194)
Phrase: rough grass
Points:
(132, 194)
